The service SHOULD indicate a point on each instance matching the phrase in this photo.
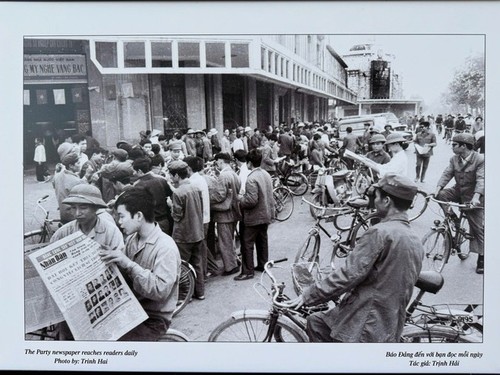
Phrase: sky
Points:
(426, 62)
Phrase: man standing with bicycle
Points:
(467, 167)
(378, 276)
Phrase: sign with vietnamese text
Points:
(54, 67)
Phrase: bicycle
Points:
(290, 177)
(282, 323)
(447, 237)
(187, 280)
(279, 324)
(361, 220)
(46, 230)
(283, 200)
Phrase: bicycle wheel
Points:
(186, 287)
(437, 333)
(437, 248)
(309, 251)
(35, 237)
(283, 203)
(172, 335)
(418, 205)
(318, 201)
(254, 327)
(297, 183)
(311, 179)
(362, 226)
(463, 240)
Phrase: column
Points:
(250, 102)
(195, 101)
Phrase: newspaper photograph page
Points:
(94, 298)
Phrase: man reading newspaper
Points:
(150, 263)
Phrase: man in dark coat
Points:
(378, 276)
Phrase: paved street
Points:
(224, 295)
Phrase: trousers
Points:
(475, 218)
(192, 253)
(226, 245)
(255, 235)
(421, 168)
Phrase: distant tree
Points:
(467, 87)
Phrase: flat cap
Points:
(464, 138)
(377, 138)
(69, 159)
(120, 154)
(176, 165)
(64, 149)
(398, 185)
(85, 194)
(394, 138)
(175, 145)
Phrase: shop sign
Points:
(54, 67)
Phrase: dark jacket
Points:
(378, 276)
(257, 203)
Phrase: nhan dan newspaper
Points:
(94, 298)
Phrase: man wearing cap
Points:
(425, 141)
(460, 124)
(190, 142)
(226, 214)
(64, 180)
(377, 153)
(399, 161)
(175, 153)
(214, 140)
(387, 130)
(115, 173)
(85, 203)
(467, 168)
(187, 213)
(378, 277)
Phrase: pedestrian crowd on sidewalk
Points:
(199, 194)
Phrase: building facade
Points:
(114, 87)
(373, 75)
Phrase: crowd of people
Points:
(193, 196)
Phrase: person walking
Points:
(257, 204)
(377, 279)
(424, 142)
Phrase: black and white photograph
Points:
(315, 185)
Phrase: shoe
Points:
(480, 264)
(201, 298)
(242, 276)
(416, 180)
(233, 271)
(210, 275)
(259, 269)
(422, 180)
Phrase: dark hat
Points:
(223, 156)
(394, 138)
(464, 138)
(387, 125)
(69, 159)
(85, 194)
(398, 185)
(120, 154)
(119, 143)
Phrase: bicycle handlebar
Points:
(453, 204)
(338, 209)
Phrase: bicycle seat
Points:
(430, 281)
(358, 203)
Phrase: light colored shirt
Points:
(243, 174)
(39, 156)
(398, 164)
(238, 145)
(154, 275)
(198, 181)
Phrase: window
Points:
(134, 54)
(161, 53)
(239, 55)
(106, 54)
(216, 55)
(189, 55)
(263, 58)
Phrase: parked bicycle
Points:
(290, 176)
(361, 220)
(281, 323)
(447, 237)
(47, 228)
(283, 200)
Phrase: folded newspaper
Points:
(93, 298)
(422, 150)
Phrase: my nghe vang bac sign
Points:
(53, 68)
